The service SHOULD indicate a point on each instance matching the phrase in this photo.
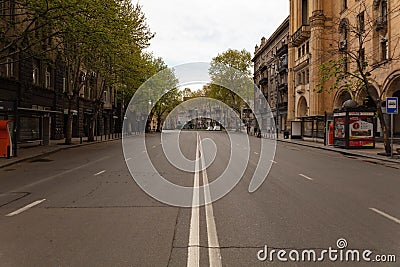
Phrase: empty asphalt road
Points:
(81, 207)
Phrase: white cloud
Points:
(190, 31)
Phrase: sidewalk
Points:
(36, 151)
(366, 153)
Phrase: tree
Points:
(159, 92)
(106, 39)
(354, 66)
(231, 79)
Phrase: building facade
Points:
(321, 30)
(36, 94)
(271, 77)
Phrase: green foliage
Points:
(231, 69)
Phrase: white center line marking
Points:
(214, 253)
(273, 161)
(128, 159)
(305, 176)
(194, 234)
(390, 217)
(100, 173)
(25, 208)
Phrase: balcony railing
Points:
(302, 34)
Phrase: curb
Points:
(44, 154)
(349, 153)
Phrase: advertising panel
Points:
(361, 131)
(340, 130)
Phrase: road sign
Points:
(392, 105)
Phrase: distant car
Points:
(217, 128)
(209, 128)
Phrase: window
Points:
(345, 64)
(307, 76)
(384, 10)
(10, 68)
(303, 49)
(299, 78)
(64, 88)
(105, 97)
(361, 22)
(47, 81)
(343, 31)
(344, 4)
(86, 91)
(304, 12)
(12, 11)
(2, 7)
(385, 50)
(35, 73)
(308, 47)
(299, 52)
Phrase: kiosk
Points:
(354, 128)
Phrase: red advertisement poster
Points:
(361, 131)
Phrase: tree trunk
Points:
(68, 134)
(158, 124)
(385, 129)
(148, 123)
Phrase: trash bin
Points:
(286, 134)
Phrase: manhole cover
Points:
(42, 160)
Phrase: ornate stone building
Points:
(271, 77)
(323, 29)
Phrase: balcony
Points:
(283, 64)
(263, 66)
(301, 89)
(264, 80)
(283, 86)
(381, 23)
(282, 51)
(302, 34)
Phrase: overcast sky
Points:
(196, 31)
